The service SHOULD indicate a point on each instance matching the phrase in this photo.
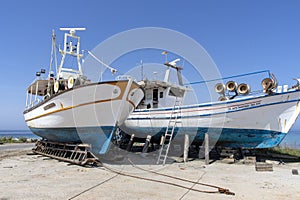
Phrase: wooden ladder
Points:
(167, 138)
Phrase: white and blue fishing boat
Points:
(239, 118)
(67, 107)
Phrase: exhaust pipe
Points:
(220, 88)
(231, 86)
(243, 89)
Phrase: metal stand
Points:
(206, 151)
(78, 154)
(186, 148)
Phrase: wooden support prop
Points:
(146, 145)
(162, 140)
(130, 143)
(206, 151)
(186, 147)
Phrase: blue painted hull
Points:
(97, 137)
(226, 137)
(67, 135)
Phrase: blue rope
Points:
(241, 75)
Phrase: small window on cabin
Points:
(155, 94)
(161, 95)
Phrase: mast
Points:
(72, 48)
(53, 53)
(52, 58)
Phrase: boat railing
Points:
(244, 85)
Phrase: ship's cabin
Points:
(160, 94)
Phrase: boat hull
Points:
(85, 114)
(252, 122)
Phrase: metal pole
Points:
(36, 90)
(206, 151)
(26, 98)
(186, 148)
(30, 95)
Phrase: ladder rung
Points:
(173, 120)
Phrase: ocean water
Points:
(18, 134)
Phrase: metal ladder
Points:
(78, 154)
(167, 138)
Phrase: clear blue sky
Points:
(240, 36)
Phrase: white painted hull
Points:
(73, 114)
(253, 122)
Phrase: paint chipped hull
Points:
(250, 122)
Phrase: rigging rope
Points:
(220, 190)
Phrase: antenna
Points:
(172, 64)
(142, 70)
(72, 30)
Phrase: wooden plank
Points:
(263, 167)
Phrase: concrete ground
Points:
(24, 176)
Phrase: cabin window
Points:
(155, 98)
(161, 95)
(51, 105)
(155, 94)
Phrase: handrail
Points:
(229, 77)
